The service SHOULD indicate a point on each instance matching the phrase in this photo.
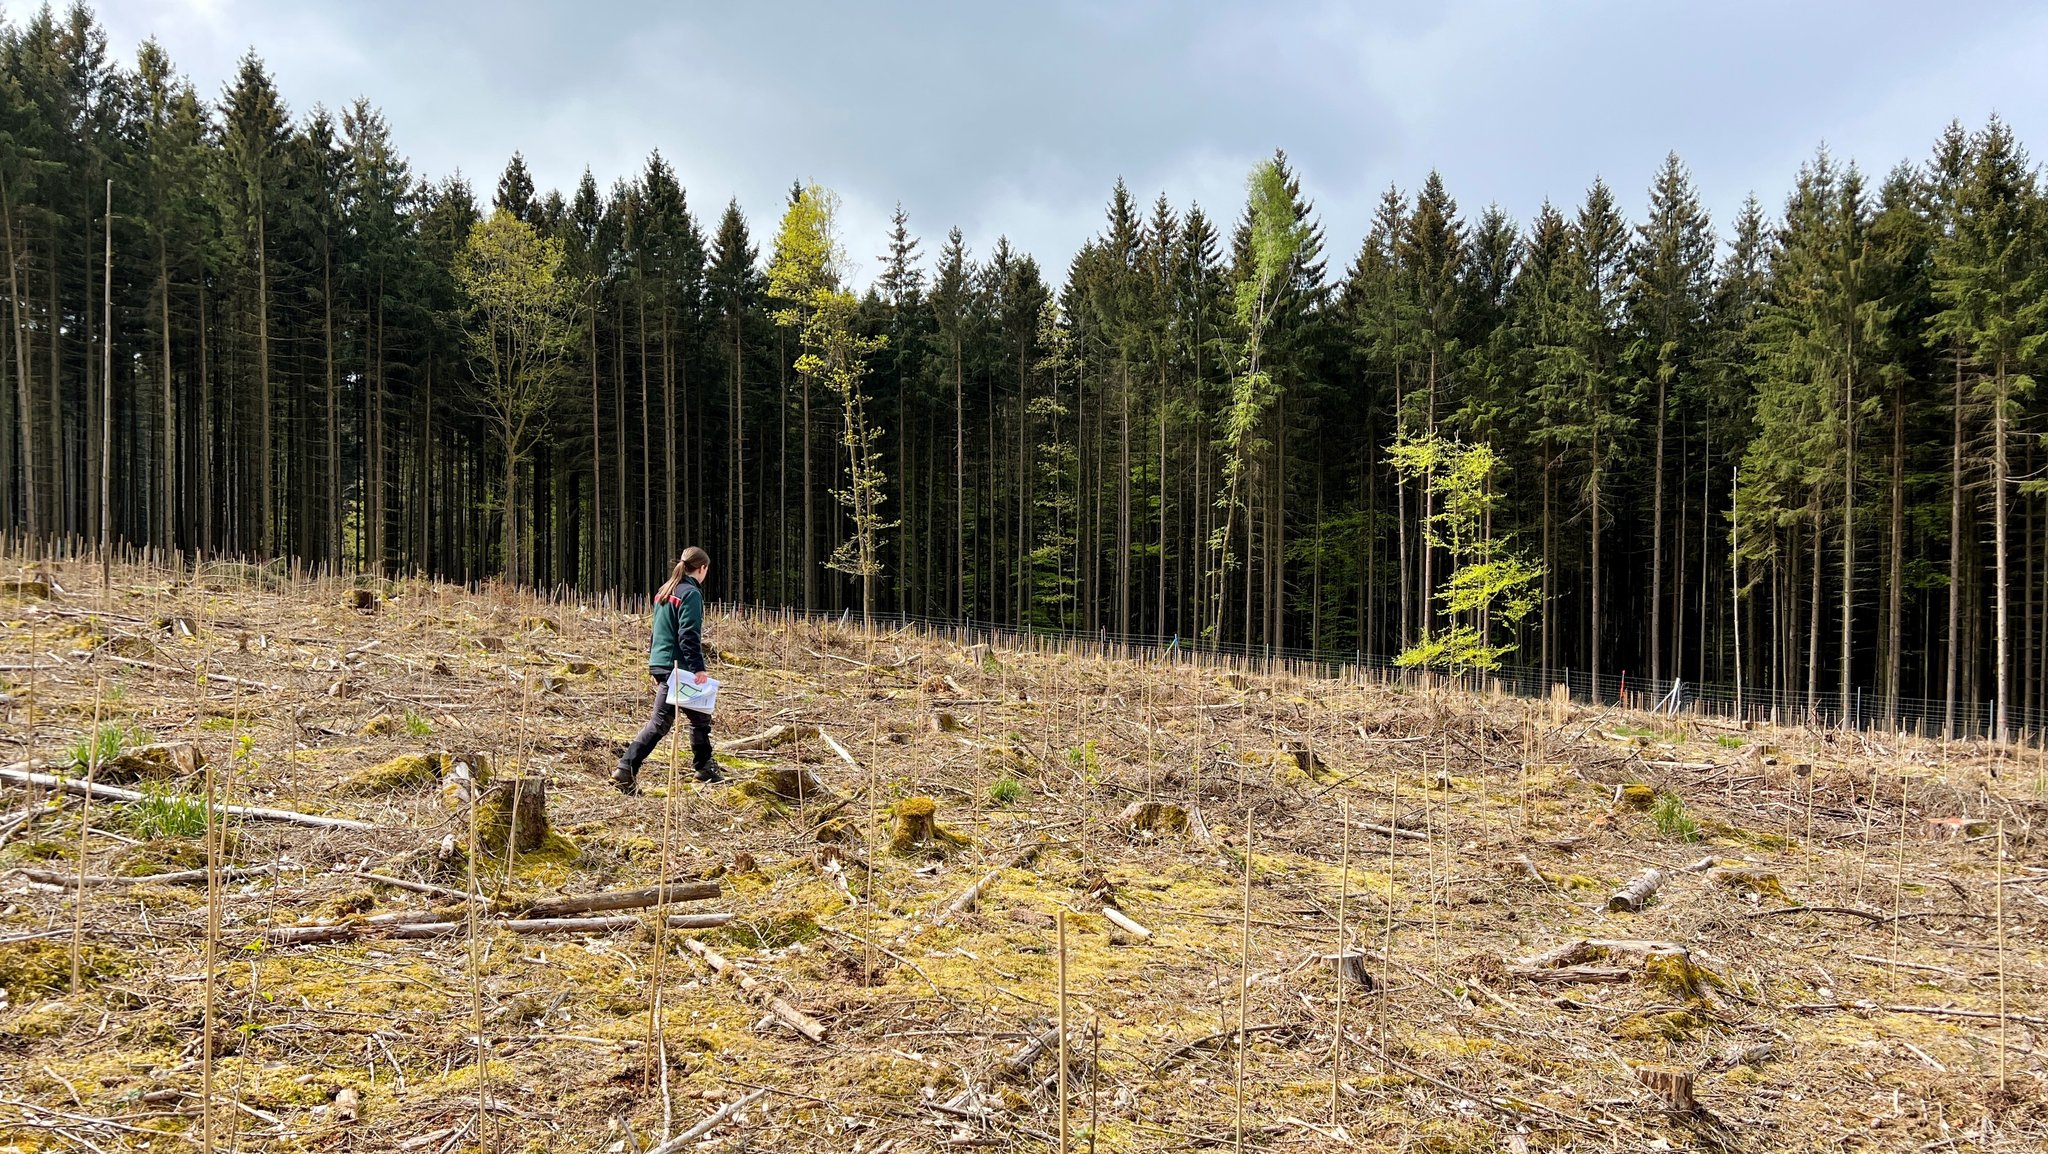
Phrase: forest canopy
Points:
(1803, 444)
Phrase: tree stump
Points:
(513, 811)
(1671, 1084)
(1146, 820)
(917, 829)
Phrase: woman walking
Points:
(678, 646)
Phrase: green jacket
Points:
(678, 631)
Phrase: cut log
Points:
(768, 738)
(1632, 897)
(675, 891)
(19, 775)
(351, 930)
(796, 1019)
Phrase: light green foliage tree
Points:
(519, 315)
(806, 276)
(1278, 238)
(1491, 586)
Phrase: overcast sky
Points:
(1018, 118)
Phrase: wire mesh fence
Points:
(1861, 708)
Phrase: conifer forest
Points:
(1800, 449)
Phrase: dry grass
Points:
(1458, 1044)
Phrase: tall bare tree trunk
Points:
(596, 578)
(24, 391)
(334, 518)
(1848, 529)
(2001, 680)
(1955, 553)
(1657, 537)
(167, 537)
(267, 523)
(1896, 575)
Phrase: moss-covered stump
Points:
(780, 789)
(419, 770)
(24, 589)
(917, 829)
(514, 812)
(1146, 820)
(154, 762)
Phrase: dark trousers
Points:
(660, 722)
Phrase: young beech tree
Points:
(805, 278)
(1278, 237)
(1490, 586)
(519, 312)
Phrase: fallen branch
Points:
(966, 898)
(839, 749)
(70, 785)
(1592, 974)
(418, 924)
(676, 891)
(220, 677)
(768, 738)
(1021, 1059)
(1850, 910)
(796, 1019)
(1123, 922)
(178, 877)
(428, 888)
(1390, 831)
(677, 1143)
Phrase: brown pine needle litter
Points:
(1837, 956)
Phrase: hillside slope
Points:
(1824, 963)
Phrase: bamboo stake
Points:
(1998, 911)
(1343, 894)
(1061, 1073)
(92, 765)
(1244, 980)
(476, 989)
(213, 898)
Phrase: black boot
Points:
(626, 778)
(708, 774)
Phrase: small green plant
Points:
(1672, 820)
(99, 748)
(1086, 760)
(1007, 791)
(417, 726)
(116, 692)
(165, 812)
(1729, 741)
(1634, 731)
